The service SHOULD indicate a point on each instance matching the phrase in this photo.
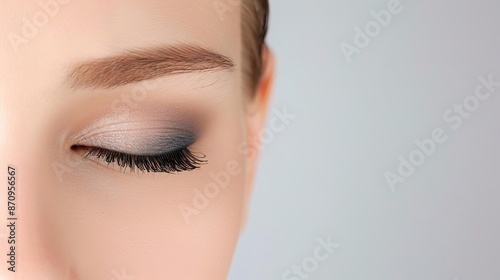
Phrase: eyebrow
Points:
(143, 64)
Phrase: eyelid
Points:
(135, 122)
(140, 141)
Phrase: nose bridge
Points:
(26, 240)
(36, 251)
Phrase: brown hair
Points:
(255, 17)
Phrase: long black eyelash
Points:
(171, 162)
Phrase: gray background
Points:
(324, 174)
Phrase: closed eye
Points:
(179, 160)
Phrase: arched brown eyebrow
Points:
(144, 64)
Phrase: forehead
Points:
(44, 36)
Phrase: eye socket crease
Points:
(138, 65)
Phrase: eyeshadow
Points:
(140, 141)
(151, 130)
(170, 141)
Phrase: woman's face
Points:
(98, 100)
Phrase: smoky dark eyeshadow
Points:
(172, 140)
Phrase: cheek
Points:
(180, 226)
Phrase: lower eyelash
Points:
(171, 162)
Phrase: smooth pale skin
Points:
(91, 221)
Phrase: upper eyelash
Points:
(171, 162)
